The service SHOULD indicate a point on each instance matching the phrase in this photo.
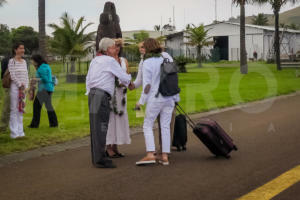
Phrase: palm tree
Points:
(188, 26)
(260, 20)
(282, 25)
(276, 6)
(243, 53)
(157, 27)
(70, 40)
(2, 2)
(42, 31)
(198, 37)
(293, 26)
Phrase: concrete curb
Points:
(83, 142)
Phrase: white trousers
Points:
(16, 118)
(165, 109)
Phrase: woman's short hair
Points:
(15, 46)
(152, 46)
(38, 59)
(105, 43)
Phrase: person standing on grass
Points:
(100, 84)
(156, 104)
(118, 128)
(19, 75)
(44, 94)
(6, 98)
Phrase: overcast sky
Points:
(134, 14)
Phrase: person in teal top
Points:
(44, 75)
(44, 94)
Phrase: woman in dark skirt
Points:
(44, 94)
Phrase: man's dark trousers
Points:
(99, 110)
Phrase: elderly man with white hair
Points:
(100, 84)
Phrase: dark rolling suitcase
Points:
(180, 133)
(212, 135)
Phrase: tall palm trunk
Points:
(277, 40)
(73, 64)
(42, 31)
(199, 49)
(243, 53)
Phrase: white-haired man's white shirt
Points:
(102, 72)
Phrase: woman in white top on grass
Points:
(118, 128)
(19, 75)
(160, 105)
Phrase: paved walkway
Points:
(268, 144)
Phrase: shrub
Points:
(181, 61)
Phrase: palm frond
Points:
(79, 24)
(69, 38)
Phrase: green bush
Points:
(215, 55)
(181, 61)
(131, 53)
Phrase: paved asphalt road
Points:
(269, 145)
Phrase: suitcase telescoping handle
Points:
(189, 120)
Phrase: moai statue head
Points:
(109, 24)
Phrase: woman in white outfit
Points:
(19, 75)
(139, 81)
(160, 105)
(118, 128)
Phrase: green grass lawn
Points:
(216, 85)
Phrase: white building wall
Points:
(298, 43)
(257, 39)
(267, 46)
(175, 45)
(254, 39)
(234, 47)
(290, 44)
(253, 43)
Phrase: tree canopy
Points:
(197, 36)
(70, 38)
(260, 20)
(28, 36)
(5, 40)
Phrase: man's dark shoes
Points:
(105, 164)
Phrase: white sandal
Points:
(165, 163)
(146, 161)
